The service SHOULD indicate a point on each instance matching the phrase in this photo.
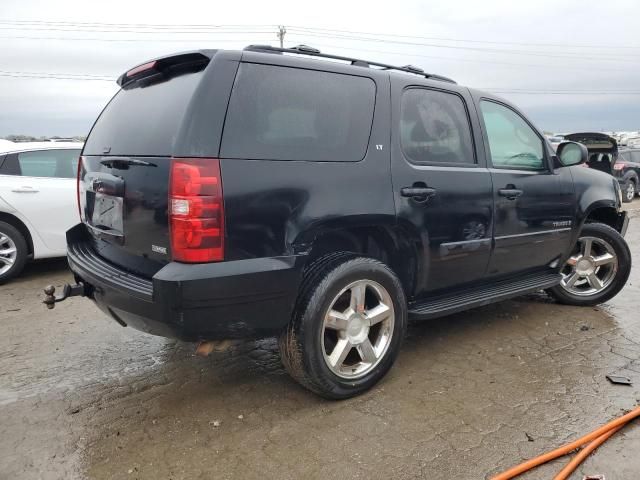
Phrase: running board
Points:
(459, 300)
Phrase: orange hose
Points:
(558, 452)
(584, 453)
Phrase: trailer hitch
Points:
(50, 299)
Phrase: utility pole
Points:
(281, 31)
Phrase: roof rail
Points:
(314, 52)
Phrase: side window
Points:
(512, 142)
(282, 113)
(48, 163)
(434, 127)
(635, 156)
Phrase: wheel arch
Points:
(384, 241)
(632, 176)
(604, 213)
(20, 226)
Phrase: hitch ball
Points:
(50, 299)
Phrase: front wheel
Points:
(347, 327)
(597, 269)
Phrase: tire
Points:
(309, 345)
(13, 252)
(612, 275)
(629, 191)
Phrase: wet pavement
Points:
(470, 395)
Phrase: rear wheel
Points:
(629, 191)
(13, 252)
(348, 326)
(597, 269)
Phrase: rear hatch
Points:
(125, 169)
(603, 149)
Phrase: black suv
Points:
(270, 192)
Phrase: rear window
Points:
(282, 113)
(143, 120)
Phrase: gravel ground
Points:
(470, 395)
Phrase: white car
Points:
(37, 201)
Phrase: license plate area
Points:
(107, 213)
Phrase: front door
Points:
(442, 188)
(534, 205)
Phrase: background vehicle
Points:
(605, 157)
(227, 194)
(555, 140)
(37, 202)
(627, 169)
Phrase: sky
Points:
(570, 65)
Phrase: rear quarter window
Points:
(282, 113)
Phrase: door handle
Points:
(25, 190)
(418, 193)
(510, 193)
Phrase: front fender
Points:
(594, 190)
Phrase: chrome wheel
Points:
(8, 253)
(591, 269)
(630, 191)
(357, 329)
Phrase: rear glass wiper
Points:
(124, 163)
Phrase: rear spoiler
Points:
(165, 68)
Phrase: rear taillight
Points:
(619, 166)
(196, 210)
(78, 186)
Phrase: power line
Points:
(143, 32)
(54, 76)
(135, 25)
(453, 59)
(458, 47)
(305, 31)
(299, 27)
(447, 39)
(66, 74)
(115, 40)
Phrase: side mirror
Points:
(571, 153)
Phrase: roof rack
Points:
(314, 52)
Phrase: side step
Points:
(459, 300)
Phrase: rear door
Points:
(534, 205)
(175, 110)
(442, 187)
(41, 186)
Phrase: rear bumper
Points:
(238, 299)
